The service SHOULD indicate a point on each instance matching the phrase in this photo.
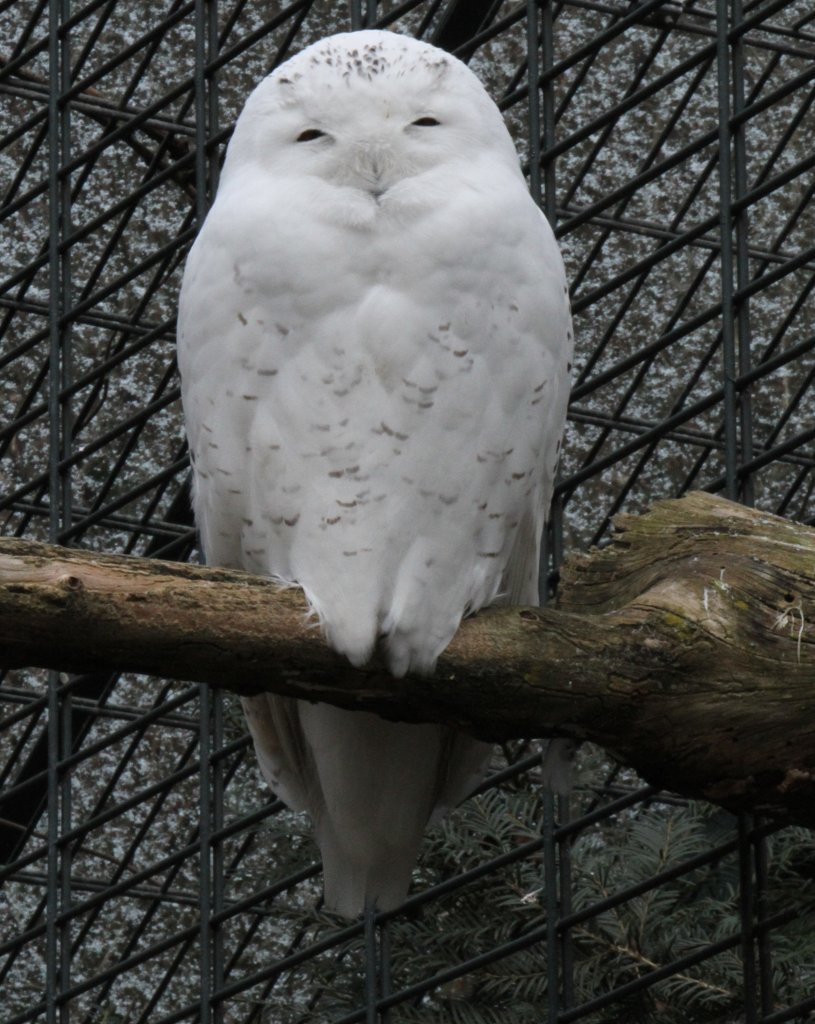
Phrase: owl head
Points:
(368, 110)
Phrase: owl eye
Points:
(310, 134)
(426, 122)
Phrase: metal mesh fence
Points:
(146, 874)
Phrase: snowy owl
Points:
(374, 344)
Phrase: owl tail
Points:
(370, 786)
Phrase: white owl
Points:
(374, 343)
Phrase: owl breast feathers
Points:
(374, 343)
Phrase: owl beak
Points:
(376, 186)
(375, 163)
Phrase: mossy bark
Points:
(685, 647)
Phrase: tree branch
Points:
(685, 648)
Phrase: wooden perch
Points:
(685, 648)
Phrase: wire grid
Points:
(147, 874)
